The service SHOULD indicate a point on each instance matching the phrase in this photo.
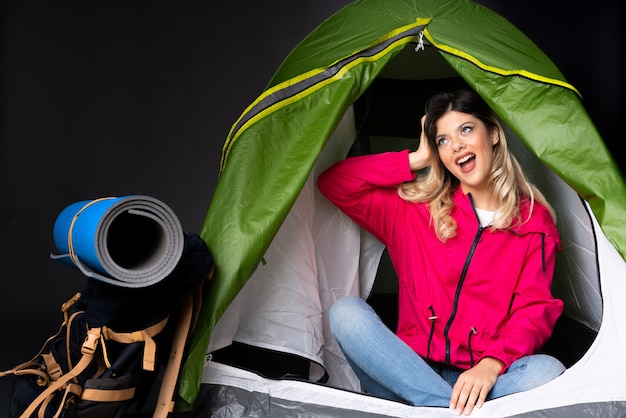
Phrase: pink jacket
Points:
(479, 294)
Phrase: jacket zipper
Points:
(459, 286)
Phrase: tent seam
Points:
(500, 71)
(337, 69)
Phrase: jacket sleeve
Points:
(533, 311)
(365, 189)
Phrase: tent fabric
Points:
(227, 391)
(271, 154)
(317, 256)
(593, 386)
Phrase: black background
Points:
(108, 99)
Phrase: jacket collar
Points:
(539, 222)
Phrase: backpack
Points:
(118, 350)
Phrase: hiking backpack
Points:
(118, 350)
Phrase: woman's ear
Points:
(495, 136)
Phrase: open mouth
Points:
(466, 162)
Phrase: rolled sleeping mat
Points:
(130, 241)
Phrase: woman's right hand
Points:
(421, 157)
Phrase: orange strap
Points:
(88, 349)
(187, 318)
(72, 388)
(44, 405)
(70, 235)
(149, 349)
(107, 395)
(165, 401)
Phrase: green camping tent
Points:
(273, 146)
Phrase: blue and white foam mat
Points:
(130, 241)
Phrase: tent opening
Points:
(386, 117)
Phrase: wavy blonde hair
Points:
(436, 184)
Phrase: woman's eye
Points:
(442, 141)
(467, 129)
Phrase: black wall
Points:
(107, 99)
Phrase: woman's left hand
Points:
(473, 385)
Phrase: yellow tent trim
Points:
(293, 81)
(496, 70)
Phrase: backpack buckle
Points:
(91, 342)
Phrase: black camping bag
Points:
(119, 350)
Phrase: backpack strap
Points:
(107, 395)
(44, 406)
(145, 335)
(187, 319)
(165, 402)
(72, 388)
(29, 367)
(88, 349)
(53, 369)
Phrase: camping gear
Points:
(357, 84)
(131, 241)
(120, 346)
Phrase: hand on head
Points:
(421, 157)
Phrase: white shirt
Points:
(485, 217)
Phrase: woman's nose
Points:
(457, 144)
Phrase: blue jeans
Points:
(390, 369)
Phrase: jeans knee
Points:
(527, 373)
(537, 370)
(342, 313)
(550, 365)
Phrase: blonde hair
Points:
(436, 185)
